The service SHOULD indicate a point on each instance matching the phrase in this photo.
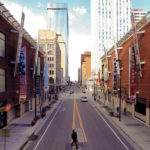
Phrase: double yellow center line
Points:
(75, 108)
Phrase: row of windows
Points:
(2, 45)
(50, 52)
(51, 65)
(50, 58)
(48, 46)
(51, 72)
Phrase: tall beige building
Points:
(62, 46)
(48, 41)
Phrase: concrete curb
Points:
(121, 131)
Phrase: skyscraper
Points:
(110, 20)
(57, 14)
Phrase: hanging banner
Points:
(38, 66)
(36, 56)
(115, 77)
(136, 47)
(46, 77)
(106, 76)
(19, 43)
(132, 74)
(116, 53)
(22, 72)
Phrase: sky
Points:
(79, 23)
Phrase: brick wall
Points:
(12, 84)
(144, 48)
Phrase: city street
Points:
(94, 131)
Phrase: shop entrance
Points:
(140, 106)
(3, 119)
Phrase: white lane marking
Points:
(48, 126)
(112, 130)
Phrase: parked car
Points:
(84, 99)
(83, 91)
(71, 92)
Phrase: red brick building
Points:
(141, 108)
(9, 85)
(85, 66)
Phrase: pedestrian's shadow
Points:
(81, 146)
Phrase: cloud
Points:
(33, 20)
(79, 10)
(39, 5)
(78, 44)
(72, 17)
(79, 32)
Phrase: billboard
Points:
(46, 87)
(22, 72)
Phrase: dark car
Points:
(83, 91)
(71, 92)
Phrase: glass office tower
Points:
(57, 14)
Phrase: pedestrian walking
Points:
(74, 139)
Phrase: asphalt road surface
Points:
(93, 129)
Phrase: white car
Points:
(84, 99)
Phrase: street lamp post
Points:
(120, 90)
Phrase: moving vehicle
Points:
(84, 99)
(71, 92)
(83, 91)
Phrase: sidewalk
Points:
(21, 129)
(136, 132)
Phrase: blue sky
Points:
(144, 4)
(79, 23)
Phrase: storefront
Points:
(3, 114)
(140, 106)
(3, 119)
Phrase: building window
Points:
(2, 44)
(51, 72)
(51, 65)
(50, 45)
(51, 58)
(42, 46)
(2, 80)
(51, 80)
(50, 52)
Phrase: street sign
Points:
(5, 133)
(37, 84)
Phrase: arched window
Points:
(50, 52)
(51, 80)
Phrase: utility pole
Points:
(37, 78)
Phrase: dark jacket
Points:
(74, 136)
